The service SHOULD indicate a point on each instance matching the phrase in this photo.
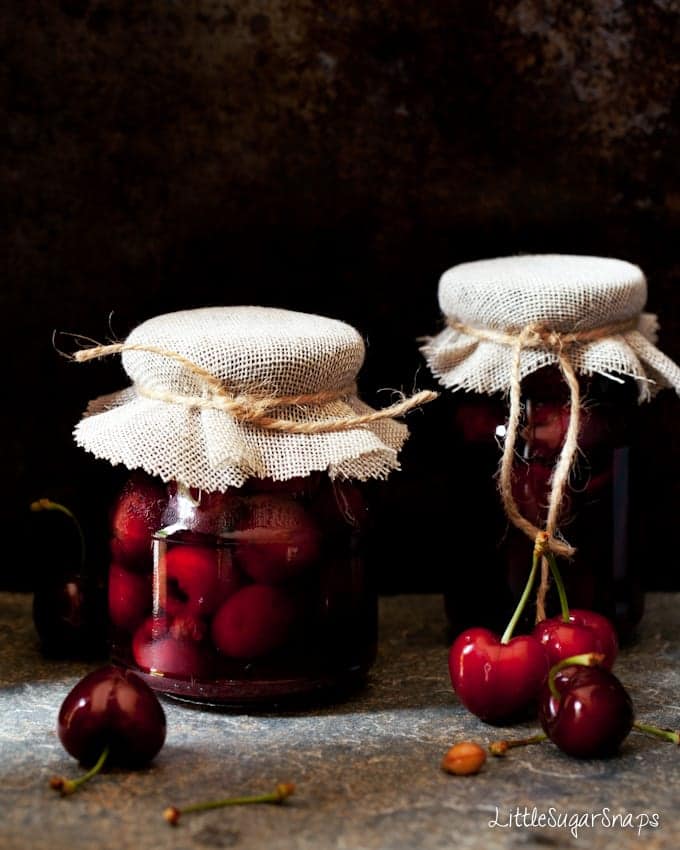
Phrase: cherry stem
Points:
(658, 732)
(49, 505)
(507, 634)
(70, 786)
(586, 659)
(500, 748)
(278, 795)
(559, 583)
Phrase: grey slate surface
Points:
(367, 770)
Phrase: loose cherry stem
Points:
(587, 659)
(658, 732)
(559, 583)
(49, 505)
(280, 793)
(70, 786)
(538, 551)
(500, 748)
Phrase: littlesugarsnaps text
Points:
(524, 817)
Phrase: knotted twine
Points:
(251, 408)
(539, 336)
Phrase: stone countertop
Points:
(367, 770)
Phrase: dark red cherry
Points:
(590, 713)
(171, 650)
(499, 682)
(279, 539)
(129, 597)
(69, 613)
(69, 600)
(136, 516)
(112, 708)
(586, 631)
(254, 622)
(199, 578)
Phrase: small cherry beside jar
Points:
(253, 597)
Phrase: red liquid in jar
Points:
(255, 596)
(494, 558)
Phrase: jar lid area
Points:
(563, 291)
(248, 348)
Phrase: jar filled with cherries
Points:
(237, 574)
(548, 358)
(603, 575)
(254, 594)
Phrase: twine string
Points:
(538, 336)
(255, 409)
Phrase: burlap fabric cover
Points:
(562, 292)
(252, 350)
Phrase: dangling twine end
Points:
(96, 351)
(422, 397)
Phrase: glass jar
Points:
(255, 596)
(245, 583)
(602, 576)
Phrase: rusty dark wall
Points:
(332, 157)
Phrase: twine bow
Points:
(255, 409)
(539, 336)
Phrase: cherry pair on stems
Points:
(499, 679)
(584, 710)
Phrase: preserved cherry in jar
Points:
(237, 573)
(535, 345)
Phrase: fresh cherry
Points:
(172, 650)
(497, 681)
(129, 597)
(585, 631)
(69, 606)
(110, 716)
(278, 539)
(253, 622)
(575, 631)
(137, 515)
(585, 710)
(199, 579)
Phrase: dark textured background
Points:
(331, 157)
